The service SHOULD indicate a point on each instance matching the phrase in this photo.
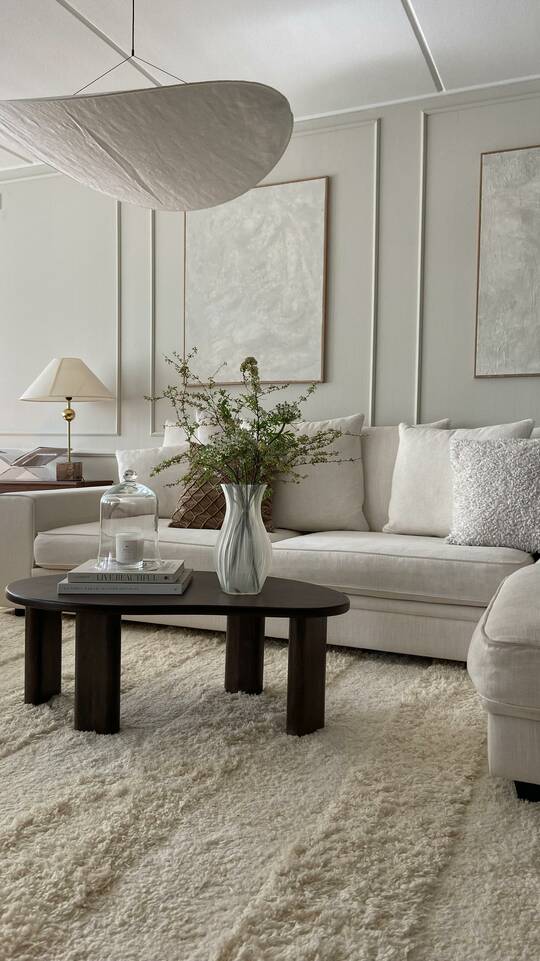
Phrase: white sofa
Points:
(409, 594)
(504, 664)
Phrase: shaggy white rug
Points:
(203, 833)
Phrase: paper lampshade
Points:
(181, 147)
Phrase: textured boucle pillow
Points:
(496, 489)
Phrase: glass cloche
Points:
(128, 535)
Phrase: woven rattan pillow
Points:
(202, 507)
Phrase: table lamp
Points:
(63, 380)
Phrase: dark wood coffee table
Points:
(97, 644)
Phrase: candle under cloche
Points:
(128, 538)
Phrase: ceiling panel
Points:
(324, 55)
(482, 41)
(46, 51)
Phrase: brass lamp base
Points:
(69, 471)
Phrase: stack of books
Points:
(171, 577)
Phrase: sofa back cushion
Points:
(421, 501)
(143, 462)
(496, 493)
(173, 435)
(379, 451)
(331, 496)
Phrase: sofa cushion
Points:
(143, 461)
(66, 547)
(421, 500)
(379, 451)
(397, 566)
(504, 656)
(331, 495)
(496, 493)
(173, 435)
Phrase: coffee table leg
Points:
(244, 654)
(97, 672)
(307, 674)
(43, 655)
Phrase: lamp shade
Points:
(67, 377)
(181, 147)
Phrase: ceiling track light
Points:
(185, 146)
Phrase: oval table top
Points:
(279, 597)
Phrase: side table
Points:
(11, 487)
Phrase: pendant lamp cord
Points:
(126, 59)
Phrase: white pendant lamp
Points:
(180, 147)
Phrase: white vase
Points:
(243, 550)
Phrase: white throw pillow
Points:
(143, 462)
(421, 501)
(496, 493)
(331, 496)
(173, 434)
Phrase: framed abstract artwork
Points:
(255, 283)
(508, 284)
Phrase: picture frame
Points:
(259, 290)
(507, 334)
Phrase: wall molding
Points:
(314, 127)
(375, 272)
(152, 282)
(40, 172)
(30, 172)
(498, 91)
(421, 265)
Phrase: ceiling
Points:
(326, 56)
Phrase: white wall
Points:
(81, 275)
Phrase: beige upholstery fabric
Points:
(424, 569)
(504, 659)
(24, 513)
(143, 462)
(379, 451)
(414, 568)
(65, 547)
(331, 496)
(421, 499)
(514, 747)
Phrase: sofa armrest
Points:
(24, 514)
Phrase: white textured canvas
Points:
(508, 331)
(255, 283)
